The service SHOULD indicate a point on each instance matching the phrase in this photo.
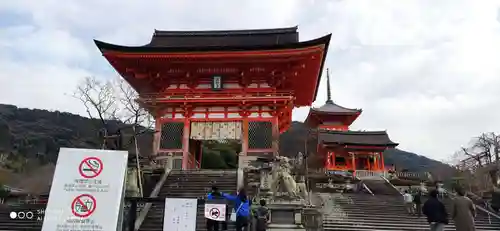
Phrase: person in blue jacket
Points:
(242, 209)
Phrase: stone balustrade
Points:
(364, 174)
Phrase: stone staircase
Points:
(381, 187)
(18, 224)
(381, 212)
(190, 184)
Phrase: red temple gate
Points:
(220, 85)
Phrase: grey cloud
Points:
(427, 71)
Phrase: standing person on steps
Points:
(242, 209)
(262, 216)
(213, 225)
(463, 212)
(408, 199)
(435, 212)
(417, 200)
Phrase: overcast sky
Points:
(426, 71)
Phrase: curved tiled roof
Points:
(373, 138)
(227, 32)
(331, 107)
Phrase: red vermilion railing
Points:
(217, 96)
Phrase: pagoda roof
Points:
(332, 108)
(361, 138)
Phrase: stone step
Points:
(354, 227)
(398, 225)
(403, 220)
(380, 187)
(386, 213)
(367, 215)
(190, 184)
(364, 212)
(200, 189)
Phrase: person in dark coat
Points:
(417, 201)
(262, 216)
(435, 211)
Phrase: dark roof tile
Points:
(223, 38)
(331, 107)
(375, 138)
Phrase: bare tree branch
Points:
(481, 159)
(98, 98)
(108, 100)
(131, 112)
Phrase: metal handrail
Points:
(367, 189)
(389, 182)
(147, 207)
(364, 185)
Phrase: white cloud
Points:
(427, 71)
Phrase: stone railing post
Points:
(240, 172)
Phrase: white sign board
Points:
(87, 190)
(216, 212)
(180, 214)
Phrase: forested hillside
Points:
(30, 138)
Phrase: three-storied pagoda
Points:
(341, 148)
(220, 85)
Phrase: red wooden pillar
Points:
(353, 159)
(367, 162)
(381, 160)
(185, 144)
(332, 160)
(328, 162)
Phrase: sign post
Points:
(87, 190)
(180, 214)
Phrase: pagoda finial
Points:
(328, 91)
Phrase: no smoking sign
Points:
(90, 167)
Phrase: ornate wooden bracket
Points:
(187, 110)
(245, 110)
(277, 79)
(192, 81)
(244, 81)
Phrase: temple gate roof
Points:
(224, 38)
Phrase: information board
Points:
(216, 212)
(180, 214)
(87, 190)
